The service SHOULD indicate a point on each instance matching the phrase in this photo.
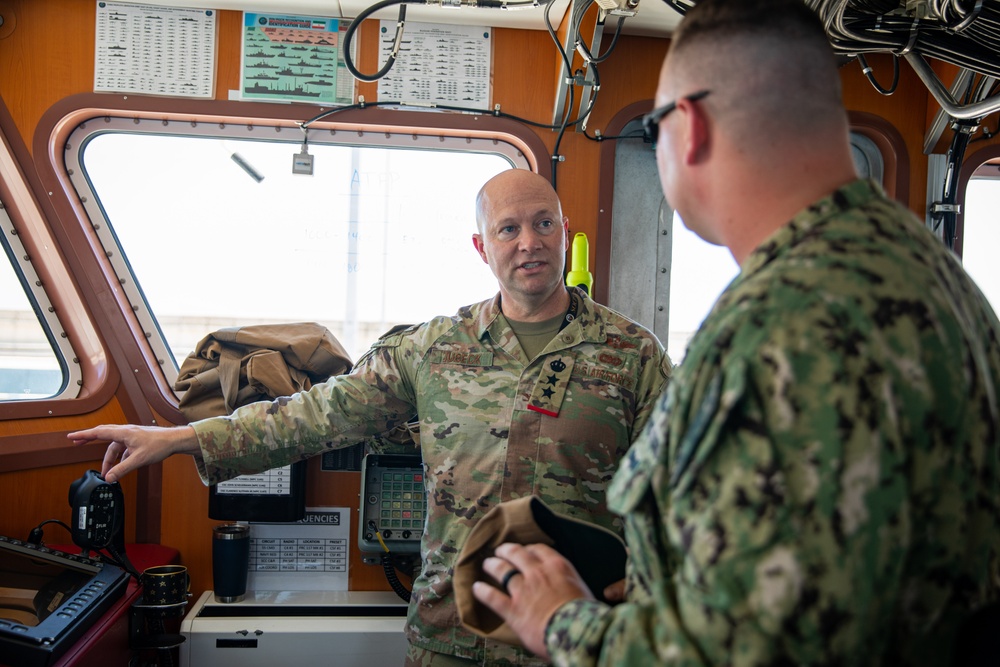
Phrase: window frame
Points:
(279, 134)
(987, 157)
(23, 265)
(50, 288)
(123, 326)
(877, 133)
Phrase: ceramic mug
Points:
(165, 585)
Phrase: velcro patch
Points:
(462, 357)
(622, 342)
(614, 373)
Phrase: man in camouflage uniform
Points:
(539, 390)
(819, 484)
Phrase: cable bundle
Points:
(965, 33)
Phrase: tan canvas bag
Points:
(239, 365)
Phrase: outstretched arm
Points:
(136, 446)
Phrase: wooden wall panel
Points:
(905, 109)
(49, 55)
(30, 497)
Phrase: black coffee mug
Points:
(165, 585)
(230, 561)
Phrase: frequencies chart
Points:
(277, 481)
(310, 554)
(298, 554)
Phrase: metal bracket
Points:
(940, 207)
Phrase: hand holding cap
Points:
(598, 554)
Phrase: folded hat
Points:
(598, 554)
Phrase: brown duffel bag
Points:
(239, 365)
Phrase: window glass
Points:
(981, 236)
(662, 275)
(701, 271)
(29, 366)
(218, 231)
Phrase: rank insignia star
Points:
(550, 387)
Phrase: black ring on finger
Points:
(507, 577)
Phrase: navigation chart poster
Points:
(294, 59)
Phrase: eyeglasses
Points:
(651, 121)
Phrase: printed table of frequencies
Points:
(298, 554)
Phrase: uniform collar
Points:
(586, 326)
(854, 194)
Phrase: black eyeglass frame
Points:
(651, 121)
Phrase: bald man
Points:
(538, 390)
(819, 484)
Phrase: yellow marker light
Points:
(579, 269)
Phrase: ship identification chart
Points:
(444, 64)
(150, 50)
(294, 59)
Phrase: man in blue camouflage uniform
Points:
(539, 390)
(819, 484)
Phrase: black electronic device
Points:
(98, 513)
(393, 504)
(49, 598)
(99, 518)
(277, 495)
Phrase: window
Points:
(662, 274)
(207, 226)
(711, 268)
(701, 271)
(37, 360)
(30, 366)
(981, 231)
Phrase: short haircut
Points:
(722, 18)
(773, 55)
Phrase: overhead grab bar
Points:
(948, 103)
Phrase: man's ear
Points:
(696, 131)
(477, 241)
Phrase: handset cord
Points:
(390, 574)
(388, 565)
(121, 560)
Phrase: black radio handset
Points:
(98, 520)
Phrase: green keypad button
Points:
(403, 502)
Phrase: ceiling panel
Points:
(529, 19)
(653, 17)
